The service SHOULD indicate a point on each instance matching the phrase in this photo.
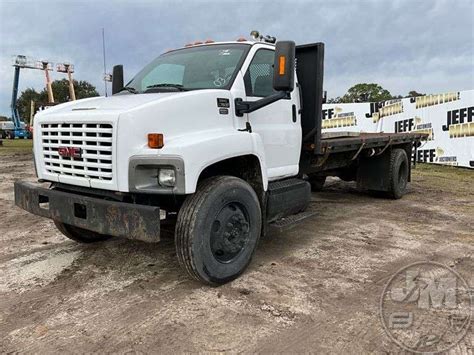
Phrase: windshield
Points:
(204, 67)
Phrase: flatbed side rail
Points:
(369, 140)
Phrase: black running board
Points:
(286, 198)
(289, 222)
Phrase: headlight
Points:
(167, 177)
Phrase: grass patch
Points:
(423, 169)
(22, 146)
(446, 178)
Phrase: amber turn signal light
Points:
(282, 62)
(155, 140)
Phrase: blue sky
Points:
(423, 45)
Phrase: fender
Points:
(205, 148)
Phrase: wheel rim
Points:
(402, 175)
(230, 232)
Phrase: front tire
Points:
(80, 235)
(218, 229)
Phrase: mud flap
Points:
(373, 173)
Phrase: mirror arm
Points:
(242, 107)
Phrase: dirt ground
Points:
(314, 288)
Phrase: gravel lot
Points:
(313, 288)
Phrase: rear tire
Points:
(399, 172)
(218, 229)
(80, 235)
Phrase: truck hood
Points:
(112, 130)
(117, 102)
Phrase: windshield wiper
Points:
(167, 85)
(129, 89)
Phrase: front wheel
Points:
(218, 229)
(80, 235)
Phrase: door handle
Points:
(293, 110)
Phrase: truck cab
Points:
(216, 140)
(193, 110)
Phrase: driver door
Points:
(278, 124)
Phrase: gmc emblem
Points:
(70, 152)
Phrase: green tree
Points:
(23, 103)
(366, 93)
(82, 89)
(414, 93)
(334, 100)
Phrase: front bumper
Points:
(107, 217)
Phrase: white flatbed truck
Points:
(218, 140)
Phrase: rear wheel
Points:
(398, 174)
(218, 229)
(80, 235)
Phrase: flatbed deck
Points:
(350, 142)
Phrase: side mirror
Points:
(117, 79)
(284, 66)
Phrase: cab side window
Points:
(259, 76)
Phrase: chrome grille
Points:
(95, 142)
